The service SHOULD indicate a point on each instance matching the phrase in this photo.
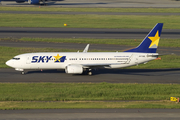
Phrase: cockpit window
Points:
(16, 58)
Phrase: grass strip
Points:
(86, 91)
(87, 21)
(128, 42)
(12, 105)
(167, 61)
(52, 9)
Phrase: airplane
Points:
(80, 62)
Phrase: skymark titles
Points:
(46, 59)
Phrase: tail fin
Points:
(150, 42)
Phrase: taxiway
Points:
(92, 114)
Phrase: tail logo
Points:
(155, 40)
(150, 42)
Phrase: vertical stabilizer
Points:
(150, 42)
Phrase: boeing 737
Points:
(77, 62)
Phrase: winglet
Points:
(150, 42)
(86, 49)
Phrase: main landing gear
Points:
(88, 72)
(22, 73)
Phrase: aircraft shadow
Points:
(54, 0)
(132, 71)
(75, 3)
(54, 3)
(144, 72)
(44, 71)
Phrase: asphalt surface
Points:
(105, 3)
(91, 114)
(8, 32)
(80, 47)
(77, 13)
(100, 75)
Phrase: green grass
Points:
(86, 91)
(11, 105)
(86, 95)
(88, 21)
(128, 42)
(167, 61)
(145, 10)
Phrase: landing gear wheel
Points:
(22, 73)
(89, 73)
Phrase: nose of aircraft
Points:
(9, 63)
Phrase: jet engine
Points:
(33, 1)
(74, 69)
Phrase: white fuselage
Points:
(86, 60)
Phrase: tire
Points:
(90, 73)
(23, 73)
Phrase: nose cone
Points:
(9, 63)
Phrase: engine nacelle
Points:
(74, 69)
(33, 1)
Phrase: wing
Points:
(98, 65)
